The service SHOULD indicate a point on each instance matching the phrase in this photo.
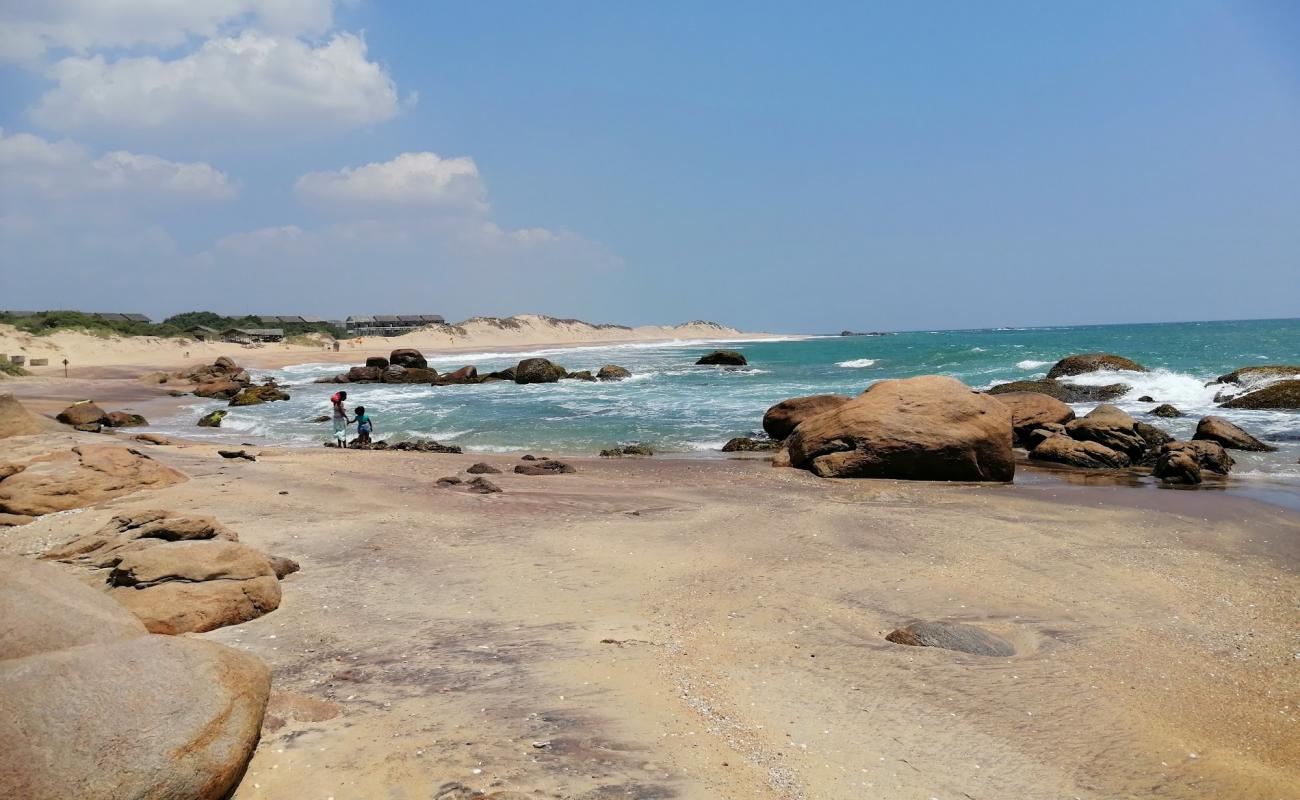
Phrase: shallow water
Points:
(685, 409)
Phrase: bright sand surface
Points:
(84, 351)
(715, 629)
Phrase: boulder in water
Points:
(1232, 437)
(538, 370)
(612, 372)
(212, 419)
(256, 395)
(408, 357)
(925, 428)
(468, 374)
(1065, 392)
(1166, 410)
(1283, 394)
(729, 358)
(781, 419)
(581, 375)
(377, 362)
(1093, 362)
(366, 374)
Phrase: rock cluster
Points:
(221, 379)
(92, 706)
(86, 416)
(410, 366)
(414, 446)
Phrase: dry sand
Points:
(686, 629)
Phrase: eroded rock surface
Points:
(88, 475)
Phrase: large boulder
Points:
(1071, 452)
(42, 608)
(1209, 456)
(88, 475)
(366, 374)
(15, 420)
(1111, 427)
(83, 413)
(408, 357)
(1065, 392)
(1093, 362)
(781, 419)
(538, 370)
(378, 362)
(727, 358)
(1247, 376)
(467, 374)
(612, 372)
(1283, 394)
(1033, 410)
(141, 717)
(926, 428)
(1232, 437)
(1185, 462)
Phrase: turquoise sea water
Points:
(685, 409)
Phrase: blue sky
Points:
(859, 165)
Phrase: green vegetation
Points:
(9, 368)
(47, 322)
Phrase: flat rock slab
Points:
(952, 636)
(145, 717)
(96, 473)
(177, 607)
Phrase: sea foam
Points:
(856, 363)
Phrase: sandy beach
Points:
(689, 629)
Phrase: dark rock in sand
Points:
(422, 446)
(1283, 394)
(1088, 455)
(547, 467)
(1109, 426)
(241, 454)
(1033, 410)
(1166, 410)
(744, 444)
(213, 419)
(408, 357)
(612, 372)
(482, 486)
(1232, 437)
(952, 636)
(639, 449)
(83, 413)
(449, 481)
(483, 469)
(728, 358)
(1249, 375)
(121, 419)
(781, 419)
(925, 428)
(283, 565)
(538, 370)
(1092, 362)
(377, 362)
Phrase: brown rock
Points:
(222, 389)
(174, 608)
(225, 364)
(538, 370)
(925, 428)
(1033, 410)
(1089, 455)
(612, 372)
(483, 469)
(481, 485)
(14, 520)
(1232, 437)
(1283, 394)
(744, 444)
(121, 419)
(467, 374)
(1209, 456)
(1065, 392)
(581, 375)
(730, 358)
(191, 561)
(781, 419)
(408, 357)
(283, 565)
(43, 609)
(15, 420)
(952, 636)
(132, 531)
(1166, 410)
(378, 362)
(365, 374)
(1177, 466)
(1038, 435)
(547, 467)
(400, 374)
(143, 717)
(97, 473)
(782, 458)
(1092, 362)
(448, 481)
(152, 438)
(1109, 426)
(83, 413)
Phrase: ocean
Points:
(683, 409)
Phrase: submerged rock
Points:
(730, 358)
(213, 418)
(581, 375)
(1232, 437)
(612, 372)
(781, 419)
(952, 636)
(1093, 362)
(925, 428)
(1166, 410)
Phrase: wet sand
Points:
(714, 629)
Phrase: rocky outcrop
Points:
(378, 362)
(467, 374)
(538, 370)
(612, 372)
(1186, 462)
(546, 467)
(185, 713)
(15, 420)
(952, 636)
(89, 474)
(408, 357)
(1232, 437)
(1032, 410)
(639, 449)
(744, 444)
(83, 413)
(1110, 427)
(1283, 394)
(1247, 376)
(1166, 411)
(781, 419)
(212, 419)
(136, 530)
(1093, 362)
(1062, 449)
(1065, 392)
(222, 379)
(256, 395)
(727, 358)
(926, 428)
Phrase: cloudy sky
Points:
(863, 165)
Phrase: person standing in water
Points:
(340, 419)
(364, 425)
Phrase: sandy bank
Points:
(660, 629)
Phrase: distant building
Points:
(390, 324)
(203, 333)
(250, 335)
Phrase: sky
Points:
(864, 165)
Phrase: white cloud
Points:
(254, 81)
(31, 28)
(64, 169)
(410, 179)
